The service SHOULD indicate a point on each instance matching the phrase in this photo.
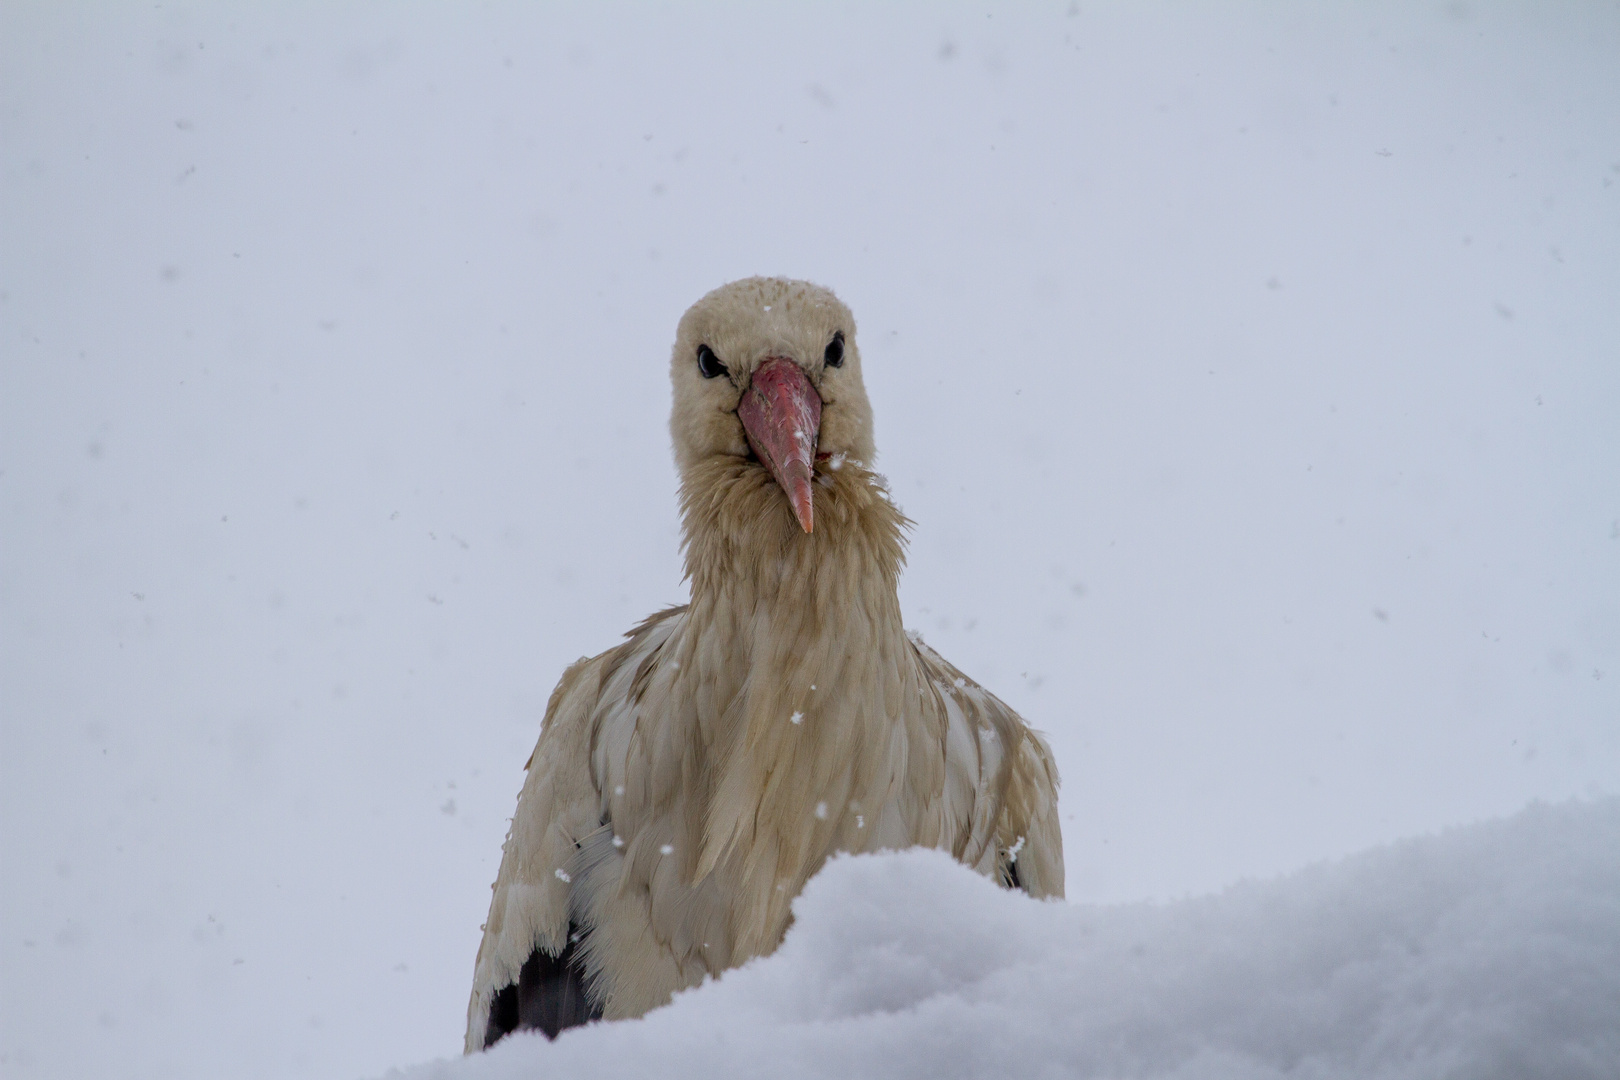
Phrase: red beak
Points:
(781, 412)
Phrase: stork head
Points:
(767, 368)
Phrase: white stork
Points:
(688, 782)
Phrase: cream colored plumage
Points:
(687, 783)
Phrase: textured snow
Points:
(1489, 951)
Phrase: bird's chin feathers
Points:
(739, 530)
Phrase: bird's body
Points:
(687, 783)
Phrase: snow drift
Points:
(1487, 951)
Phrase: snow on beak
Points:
(781, 413)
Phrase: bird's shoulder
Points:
(561, 801)
(973, 704)
(591, 681)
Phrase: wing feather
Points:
(553, 856)
(1015, 835)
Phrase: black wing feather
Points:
(550, 994)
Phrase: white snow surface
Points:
(1488, 951)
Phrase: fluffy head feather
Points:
(745, 323)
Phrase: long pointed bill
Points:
(781, 412)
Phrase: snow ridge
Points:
(1487, 951)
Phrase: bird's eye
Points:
(834, 357)
(708, 363)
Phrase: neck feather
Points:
(795, 640)
(744, 547)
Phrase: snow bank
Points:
(1488, 951)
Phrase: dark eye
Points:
(708, 363)
(834, 357)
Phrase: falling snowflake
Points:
(562, 875)
(667, 849)
(796, 718)
(619, 790)
(618, 841)
(1012, 852)
(960, 682)
(860, 821)
(821, 811)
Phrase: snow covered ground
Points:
(1250, 373)
(1490, 952)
